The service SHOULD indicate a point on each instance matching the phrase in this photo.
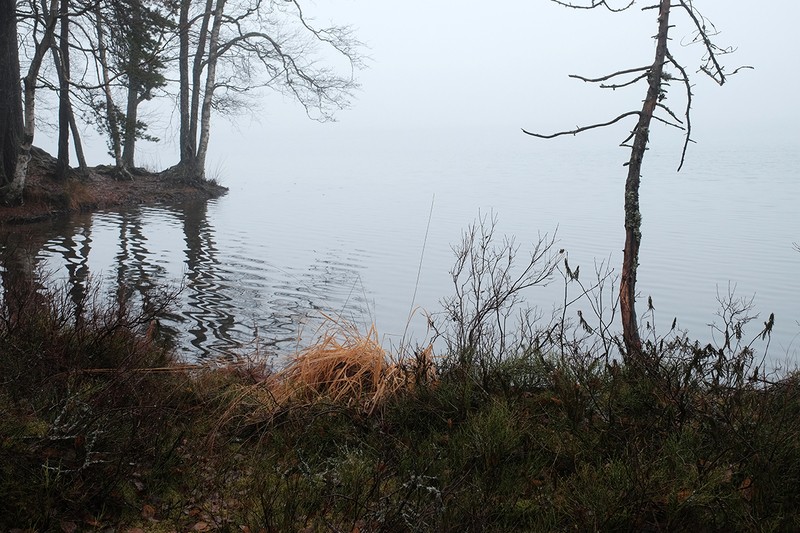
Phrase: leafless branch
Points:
(614, 86)
(668, 123)
(685, 79)
(581, 129)
(669, 112)
(612, 75)
(594, 4)
(704, 31)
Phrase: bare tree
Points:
(41, 37)
(229, 48)
(658, 80)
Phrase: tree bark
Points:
(134, 87)
(63, 78)
(64, 111)
(208, 93)
(10, 94)
(633, 216)
(76, 141)
(197, 69)
(186, 144)
(131, 118)
(12, 192)
(111, 110)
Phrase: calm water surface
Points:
(337, 227)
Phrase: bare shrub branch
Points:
(477, 321)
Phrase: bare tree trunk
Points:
(76, 140)
(186, 143)
(208, 93)
(633, 216)
(63, 78)
(64, 111)
(197, 69)
(13, 192)
(111, 110)
(133, 101)
(10, 95)
(129, 144)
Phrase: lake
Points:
(362, 227)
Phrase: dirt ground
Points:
(45, 197)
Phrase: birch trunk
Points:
(13, 192)
(197, 71)
(73, 126)
(186, 144)
(208, 94)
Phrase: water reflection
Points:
(209, 308)
(232, 298)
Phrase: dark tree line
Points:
(104, 59)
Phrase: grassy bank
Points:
(518, 425)
(101, 429)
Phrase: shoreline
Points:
(45, 198)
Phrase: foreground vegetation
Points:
(102, 429)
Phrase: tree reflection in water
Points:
(233, 298)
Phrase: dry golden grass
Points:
(344, 365)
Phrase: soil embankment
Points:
(100, 188)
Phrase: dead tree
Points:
(658, 79)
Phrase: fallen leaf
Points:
(69, 527)
(91, 521)
(747, 489)
(200, 526)
(148, 512)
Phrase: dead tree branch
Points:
(594, 4)
(687, 114)
(612, 75)
(581, 129)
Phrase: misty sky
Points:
(497, 67)
(452, 77)
(505, 64)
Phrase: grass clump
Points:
(343, 366)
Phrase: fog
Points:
(439, 114)
(440, 70)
